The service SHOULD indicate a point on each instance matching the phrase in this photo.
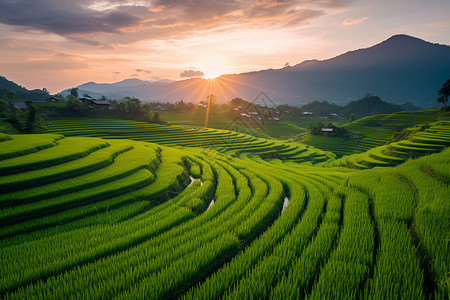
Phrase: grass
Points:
(194, 217)
(420, 142)
(372, 131)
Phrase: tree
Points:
(180, 106)
(134, 108)
(315, 128)
(444, 92)
(74, 92)
(25, 121)
(352, 117)
(156, 118)
(74, 107)
(211, 100)
(121, 109)
(30, 125)
(238, 102)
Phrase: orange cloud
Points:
(354, 21)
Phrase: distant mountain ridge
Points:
(366, 106)
(400, 69)
(133, 87)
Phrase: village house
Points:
(325, 131)
(96, 103)
(54, 99)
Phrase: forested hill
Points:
(12, 91)
(366, 106)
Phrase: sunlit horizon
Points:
(70, 43)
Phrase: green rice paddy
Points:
(112, 209)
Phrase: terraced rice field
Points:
(422, 141)
(372, 131)
(92, 218)
(220, 140)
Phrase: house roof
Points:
(96, 102)
(327, 129)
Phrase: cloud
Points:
(443, 24)
(64, 17)
(107, 23)
(117, 73)
(354, 21)
(148, 72)
(192, 73)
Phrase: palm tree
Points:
(444, 92)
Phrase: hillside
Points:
(129, 87)
(20, 93)
(222, 140)
(399, 70)
(85, 218)
(366, 106)
(373, 131)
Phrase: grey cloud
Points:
(192, 73)
(81, 20)
(143, 71)
(60, 54)
(90, 42)
(63, 17)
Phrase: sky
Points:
(58, 44)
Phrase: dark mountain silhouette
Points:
(398, 70)
(19, 92)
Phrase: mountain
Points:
(401, 69)
(132, 87)
(366, 106)
(19, 92)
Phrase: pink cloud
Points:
(354, 21)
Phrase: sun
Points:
(213, 68)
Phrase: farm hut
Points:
(54, 99)
(96, 103)
(325, 131)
